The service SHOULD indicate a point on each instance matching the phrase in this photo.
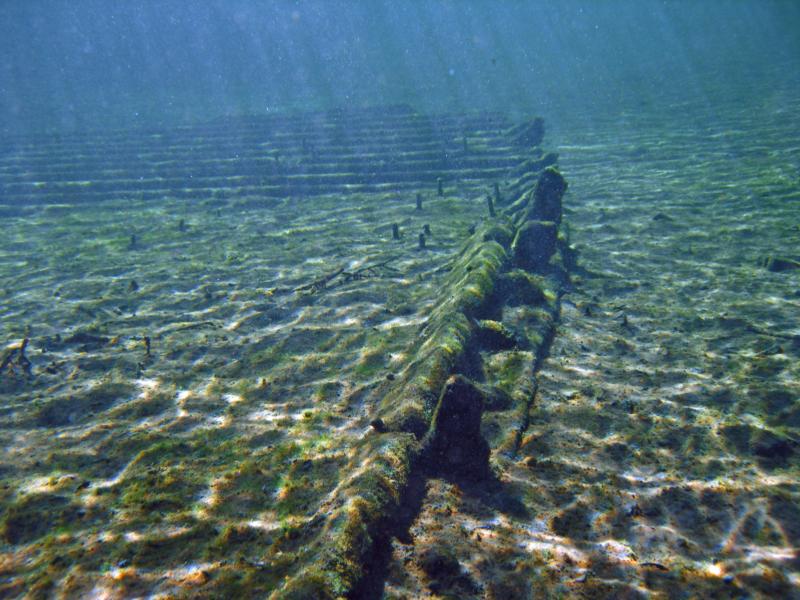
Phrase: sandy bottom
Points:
(663, 451)
(195, 378)
(200, 373)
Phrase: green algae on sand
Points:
(198, 416)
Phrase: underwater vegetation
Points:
(659, 456)
(451, 378)
(193, 415)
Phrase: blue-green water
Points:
(81, 65)
(245, 244)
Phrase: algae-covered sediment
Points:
(218, 446)
(661, 455)
(203, 374)
(241, 395)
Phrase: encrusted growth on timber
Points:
(500, 300)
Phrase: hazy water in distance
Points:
(88, 65)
